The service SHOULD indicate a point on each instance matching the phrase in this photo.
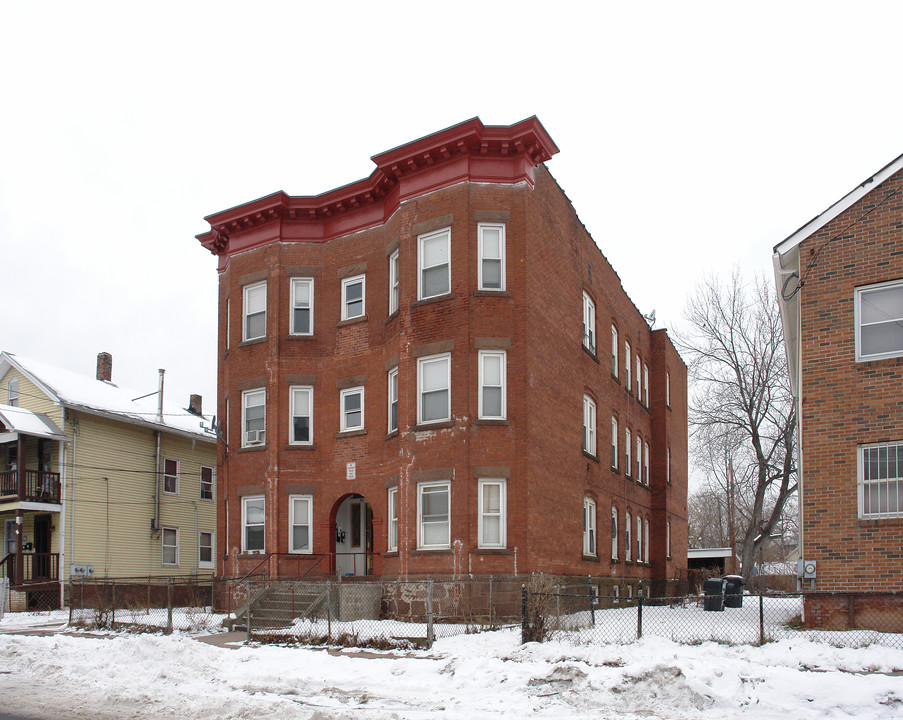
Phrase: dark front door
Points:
(41, 546)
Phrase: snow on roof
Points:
(20, 420)
(106, 398)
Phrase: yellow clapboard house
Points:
(95, 481)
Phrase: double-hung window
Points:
(645, 385)
(639, 539)
(880, 470)
(628, 372)
(393, 282)
(589, 425)
(639, 378)
(206, 483)
(589, 324)
(645, 541)
(300, 520)
(393, 399)
(667, 388)
(353, 297)
(253, 417)
(614, 533)
(614, 442)
(614, 351)
(668, 464)
(492, 400)
(628, 451)
(255, 311)
(628, 552)
(352, 404)
(492, 257)
(393, 520)
(646, 462)
(434, 388)
(205, 549)
(170, 546)
(639, 459)
(668, 539)
(12, 392)
(589, 526)
(302, 306)
(491, 512)
(301, 415)
(879, 321)
(252, 523)
(170, 476)
(433, 517)
(434, 257)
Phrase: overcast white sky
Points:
(693, 136)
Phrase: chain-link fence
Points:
(579, 614)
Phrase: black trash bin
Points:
(733, 591)
(714, 594)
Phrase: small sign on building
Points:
(350, 471)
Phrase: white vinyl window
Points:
(170, 546)
(589, 324)
(628, 372)
(589, 425)
(628, 451)
(639, 459)
(646, 541)
(205, 549)
(353, 297)
(300, 522)
(668, 538)
(393, 399)
(255, 311)
(492, 257)
(667, 388)
(880, 470)
(492, 402)
(668, 464)
(589, 526)
(301, 415)
(645, 385)
(646, 462)
(628, 552)
(252, 523)
(207, 483)
(639, 539)
(434, 259)
(12, 392)
(433, 517)
(393, 519)
(614, 533)
(492, 514)
(639, 378)
(253, 417)
(228, 323)
(614, 351)
(614, 442)
(393, 282)
(352, 403)
(302, 306)
(434, 388)
(879, 321)
(170, 476)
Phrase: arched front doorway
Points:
(353, 536)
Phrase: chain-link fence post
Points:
(639, 610)
(429, 612)
(169, 606)
(523, 614)
(761, 618)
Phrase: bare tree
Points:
(741, 411)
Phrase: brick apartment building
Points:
(840, 288)
(434, 370)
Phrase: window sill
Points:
(615, 561)
(491, 293)
(350, 433)
(615, 470)
(351, 321)
(391, 317)
(590, 558)
(616, 378)
(251, 554)
(298, 336)
(492, 421)
(437, 298)
(391, 435)
(254, 341)
(391, 554)
(255, 448)
(591, 353)
(432, 551)
(299, 446)
(493, 551)
(438, 425)
(594, 458)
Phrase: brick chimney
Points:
(105, 366)
(194, 404)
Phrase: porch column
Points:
(20, 559)
(20, 466)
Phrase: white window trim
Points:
(887, 482)
(639, 377)
(628, 371)
(302, 281)
(645, 385)
(394, 287)
(392, 514)
(482, 513)
(628, 538)
(614, 351)
(589, 425)
(646, 463)
(589, 527)
(244, 522)
(343, 419)
(420, 491)
(228, 323)
(291, 414)
(639, 459)
(501, 228)
(614, 533)
(362, 279)
(646, 541)
(308, 521)
(164, 546)
(212, 497)
(503, 374)
(205, 564)
(668, 539)
(177, 476)
(392, 396)
(246, 290)
(628, 452)
(614, 442)
(589, 323)
(421, 240)
(639, 539)
(12, 392)
(261, 438)
(667, 388)
(857, 314)
(421, 362)
(668, 464)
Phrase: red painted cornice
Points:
(467, 151)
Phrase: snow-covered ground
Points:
(488, 675)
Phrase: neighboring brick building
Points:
(843, 328)
(405, 365)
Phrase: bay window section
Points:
(301, 415)
(433, 517)
(252, 523)
(302, 318)
(434, 388)
(492, 257)
(492, 399)
(300, 508)
(434, 260)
